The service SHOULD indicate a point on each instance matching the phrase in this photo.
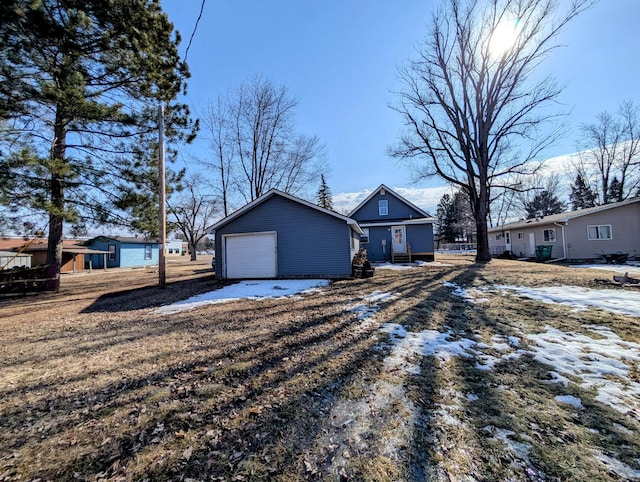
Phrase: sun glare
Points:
(504, 37)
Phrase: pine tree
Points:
(324, 196)
(582, 196)
(615, 192)
(544, 203)
(81, 81)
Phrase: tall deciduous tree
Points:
(193, 213)
(325, 199)
(471, 102)
(255, 143)
(612, 151)
(80, 82)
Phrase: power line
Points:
(195, 27)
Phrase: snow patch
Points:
(570, 400)
(616, 301)
(250, 289)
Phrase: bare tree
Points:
(256, 146)
(193, 213)
(611, 155)
(472, 106)
(216, 118)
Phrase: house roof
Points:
(274, 192)
(12, 253)
(126, 239)
(562, 217)
(393, 193)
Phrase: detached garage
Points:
(281, 236)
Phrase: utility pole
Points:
(162, 202)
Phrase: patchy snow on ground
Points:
(620, 269)
(250, 289)
(619, 467)
(416, 264)
(472, 295)
(603, 362)
(624, 302)
(570, 400)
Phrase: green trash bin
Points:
(543, 253)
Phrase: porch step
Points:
(401, 258)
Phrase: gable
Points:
(372, 209)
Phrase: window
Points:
(364, 237)
(498, 236)
(599, 232)
(507, 237)
(147, 251)
(549, 235)
(112, 252)
(520, 235)
(383, 207)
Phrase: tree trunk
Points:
(481, 214)
(192, 249)
(56, 214)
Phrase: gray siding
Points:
(310, 243)
(521, 247)
(625, 229)
(625, 232)
(398, 210)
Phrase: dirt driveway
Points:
(96, 385)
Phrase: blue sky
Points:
(339, 59)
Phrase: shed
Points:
(281, 236)
(12, 259)
(123, 252)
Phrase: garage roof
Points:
(274, 192)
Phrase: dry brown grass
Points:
(96, 386)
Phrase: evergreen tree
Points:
(544, 203)
(455, 219)
(582, 196)
(615, 192)
(80, 82)
(324, 196)
(445, 212)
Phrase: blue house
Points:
(123, 252)
(281, 236)
(394, 229)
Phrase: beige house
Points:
(577, 235)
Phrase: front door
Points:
(398, 239)
(507, 240)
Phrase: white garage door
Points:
(251, 255)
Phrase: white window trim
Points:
(150, 251)
(598, 226)
(364, 237)
(112, 254)
(547, 236)
(520, 235)
(381, 203)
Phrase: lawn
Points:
(447, 371)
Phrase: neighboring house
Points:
(123, 252)
(394, 229)
(175, 247)
(281, 236)
(577, 235)
(73, 252)
(74, 255)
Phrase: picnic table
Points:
(615, 258)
